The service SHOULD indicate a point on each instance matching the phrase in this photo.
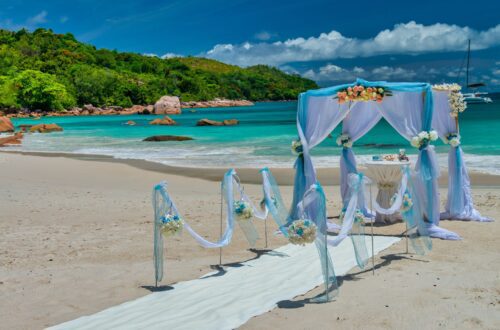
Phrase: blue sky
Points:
(328, 41)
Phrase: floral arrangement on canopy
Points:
(455, 98)
(360, 93)
(297, 148)
(423, 138)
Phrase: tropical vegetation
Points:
(49, 71)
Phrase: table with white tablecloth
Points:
(387, 175)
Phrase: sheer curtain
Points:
(409, 114)
(459, 204)
(313, 127)
(362, 118)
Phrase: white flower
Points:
(339, 141)
(455, 142)
(423, 135)
(348, 144)
(415, 141)
(433, 135)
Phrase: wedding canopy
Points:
(413, 110)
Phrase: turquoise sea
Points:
(262, 138)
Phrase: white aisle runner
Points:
(228, 301)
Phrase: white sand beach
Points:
(77, 239)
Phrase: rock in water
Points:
(131, 123)
(6, 125)
(163, 121)
(10, 140)
(208, 122)
(231, 122)
(46, 128)
(159, 138)
(167, 105)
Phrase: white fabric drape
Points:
(404, 112)
(362, 118)
(459, 205)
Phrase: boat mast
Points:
(467, 72)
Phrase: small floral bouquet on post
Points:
(171, 224)
(358, 215)
(361, 93)
(344, 140)
(453, 139)
(406, 204)
(297, 147)
(302, 232)
(243, 210)
(423, 138)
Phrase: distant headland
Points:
(50, 72)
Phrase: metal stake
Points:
(406, 222)
(326, 261)
(371, 226)
(220, 249)
(265, 230)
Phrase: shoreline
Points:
(283, 176)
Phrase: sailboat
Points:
(474, 96)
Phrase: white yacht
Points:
(474, 97)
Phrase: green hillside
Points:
(49, 71)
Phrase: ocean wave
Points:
(211, 155)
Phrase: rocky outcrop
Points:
(46, 128)
(11, 140)
(25, 128)
(6, 125)
(231, 122)
(208, 122)
(131, 123)
(167, 105)
(163, 121)
(216, 103)
(160, 138)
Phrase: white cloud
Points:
(409, 38)
(30, 23)
(388, 73)
(263, 36)
(164, 56)
(331, 73)
(170, 55)
(496, 72)
(39, 18)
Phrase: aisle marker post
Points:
(371, 226)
